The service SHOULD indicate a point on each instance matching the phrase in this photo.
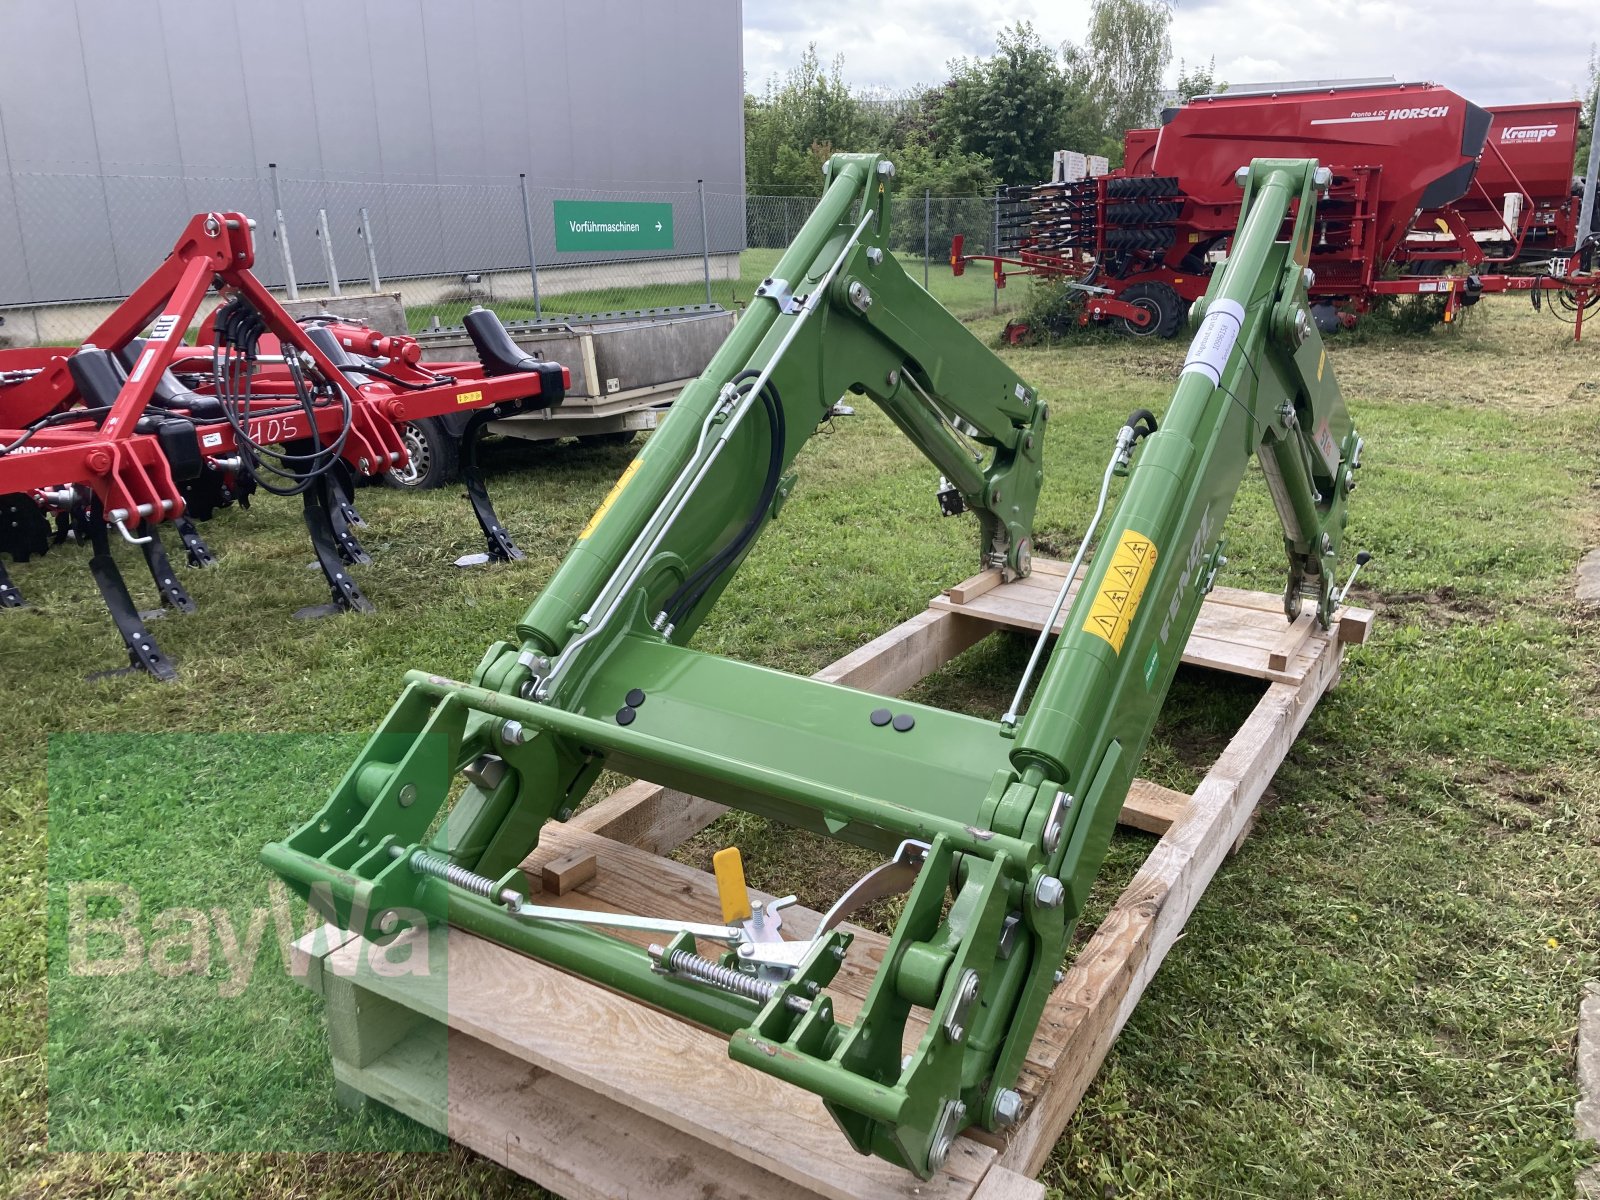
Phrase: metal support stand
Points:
(291, 288)
(172, 592)
(998, 192)
(10, 596)
(705, 239)
(193, 544)
(533, 258)
(143, 653)
(346, 596)
(500, 546)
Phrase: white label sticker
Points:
(1208, 353)
(1022, 393)
(211, 440)
(165, 324)
(144, 361)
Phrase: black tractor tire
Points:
(1167, 310)
(621, 437)
(24, 530)
(435, 457)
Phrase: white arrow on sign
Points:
(658, 226)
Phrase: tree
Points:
(1122, 61)
(1202, 81)
(790, 131)
(1008, 108)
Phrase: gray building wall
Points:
(121, 118)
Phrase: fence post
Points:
(372, 250)
(533, 259)
(291, 289)
(996, 244)
(927, 240)
(705, 239)
(327, 251)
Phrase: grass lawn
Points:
(1376, 998)
(969, 295)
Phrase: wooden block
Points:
(970, 589)
(308, 953)
(1151, 807)
(567, 872)
(1354, 625)
(1289, 644)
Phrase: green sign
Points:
(612, 225)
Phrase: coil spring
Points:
(443, 868)
(681, 962)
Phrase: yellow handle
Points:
(729, 870)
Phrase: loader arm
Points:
(996, 827)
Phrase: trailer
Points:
(627, 368)
(1140, 243)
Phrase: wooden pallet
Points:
(592, 1094)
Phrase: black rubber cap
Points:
(904, 722)
(625, 715)
(881, 716)
(635, 698)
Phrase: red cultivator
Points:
(136, 428)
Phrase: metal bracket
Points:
(780, 291)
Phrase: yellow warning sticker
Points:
(1321, 363)
(469, 397)
(1121, 588)
(611, 498)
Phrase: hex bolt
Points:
(1059, 976)
(1308, 277)
(875, 256)
(1049, 892)
(1006, 1108)
(1302, 327)
(886, 168)
(1242, 176)
(512, 733)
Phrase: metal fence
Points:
(75, 244)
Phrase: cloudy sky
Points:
(1491, 51)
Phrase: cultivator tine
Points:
(349, 546)
(143, 653)
(500, 546)
(10, 596)
(172, 592)
(194, 545)
(320, 501)
(347, 503)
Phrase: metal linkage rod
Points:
(1119, 455)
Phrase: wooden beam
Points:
(1094, 1001)
(672, 1073)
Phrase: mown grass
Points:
(1376, 997)
(968, 295)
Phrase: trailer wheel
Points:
(620, 437)
(434, 457)
(1163, 304)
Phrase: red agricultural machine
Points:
(1418, 182)
(136, 427)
